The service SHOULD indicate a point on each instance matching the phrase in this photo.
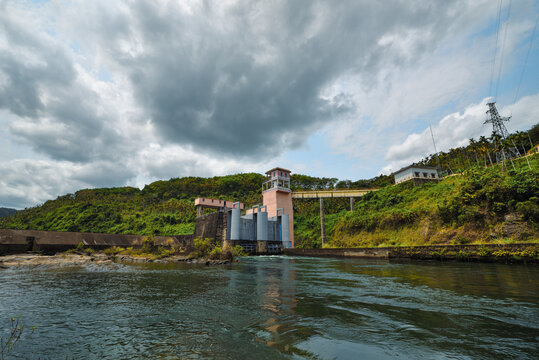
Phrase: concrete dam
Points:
(263, 229)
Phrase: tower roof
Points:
(277, 168)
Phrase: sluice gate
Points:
(256, 232)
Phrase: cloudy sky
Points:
(111, 93)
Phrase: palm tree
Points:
(486, 145)
(520, 137)
(482, 147)
(474, 147)
(508, 144)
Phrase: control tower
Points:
(277, 195)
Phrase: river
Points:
(275, 307)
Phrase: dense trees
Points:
(482, 152)
(162, 207)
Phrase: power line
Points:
(495, 47)
(526, 60)
(439, 166)
(503, 47)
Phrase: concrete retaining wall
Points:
(206, 226)
(487, 252)
(340, 252)
(13, 241)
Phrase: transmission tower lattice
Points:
(501, 134)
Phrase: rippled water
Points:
(276, 307)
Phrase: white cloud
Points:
(103, 93)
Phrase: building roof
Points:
(277, 168)
(415, 167)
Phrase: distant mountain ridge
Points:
(4, 212)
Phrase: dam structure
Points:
(266, 228)
(263, 229)
(257, 233)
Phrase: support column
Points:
(235, 225)
(322, 222)
(199, 211)
(351, 204)
(262, 225)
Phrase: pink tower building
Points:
(277, 194)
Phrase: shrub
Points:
(202, 248)
(463, 254)
(529, 209)
(484, 251)
(238, 251)
(215, 253)
(529, 252)
(462, 240)
(163, 252)
(114, 250)
(501, 253)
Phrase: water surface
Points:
(276, 307)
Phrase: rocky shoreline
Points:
(98, 258)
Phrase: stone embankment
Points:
(98, 258)
(506, 253)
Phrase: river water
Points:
(276, 307)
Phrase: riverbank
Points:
(503, 253)
(98, 258)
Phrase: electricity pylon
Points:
(501, 134)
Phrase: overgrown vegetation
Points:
(161, 208)
(147, 250)
(483, 205)
(482, 151)
(204, 248)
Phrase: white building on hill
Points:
(415, 172)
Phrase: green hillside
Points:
(482, 205)
(161, 208)
(486, 203)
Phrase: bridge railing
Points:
(318, 194)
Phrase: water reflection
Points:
(276, 289)
(278, 307)
(497, 280)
